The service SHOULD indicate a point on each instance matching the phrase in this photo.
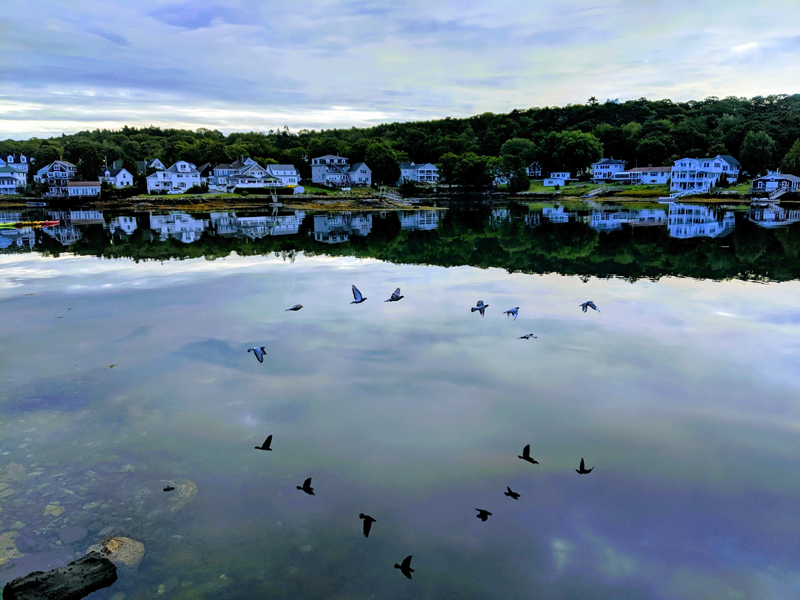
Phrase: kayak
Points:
(21, 224)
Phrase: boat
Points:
(21, 224)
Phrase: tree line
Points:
(763, 132)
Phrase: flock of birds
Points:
(483, 514)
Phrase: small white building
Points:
(560, 178)
(644, 176)
(605, 169)
(285, 174)
(83, 189)
(12, 181)
(419, 173)
(775, 180)
(698, 175)
(177, 179)
(535, 170)
(117, 178)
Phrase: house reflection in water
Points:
(85, 217)
(772, 215)
(556, 214)
(179, 226)
(66, 235)
(16, 239)
(421, 220)
(691, 220)
(228, 224)
(122, 225)
(337, 228)
(611, 220)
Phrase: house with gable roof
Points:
(18, 162)
(177, 179)
(11, 180)
(117, 178)
(286, 174)
(697, 175)
(336, 171)
(605, 169)
(421, 173)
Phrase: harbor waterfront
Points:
(123, 357)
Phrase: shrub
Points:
(198, 189)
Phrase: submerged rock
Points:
(183, 494)
(121, 551)
(77, 580)
(53, 509)
(70, 535)
(8, 547)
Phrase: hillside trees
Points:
(757, 153)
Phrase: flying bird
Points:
(169, 488)
(405, 568)
(589, 304)
(359, 298)
(395, 296)
(306, 487)
(368, 521)
(527, 336)
(512, 312)
(259, 352)
(483, 515)
(295, 308)
(265, 445)
(480, 306)
(511, 494)
(526, 455)
(583, 470)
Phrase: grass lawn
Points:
(740, 188)
(573, 189)
(644, 191)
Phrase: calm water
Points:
(682, 393)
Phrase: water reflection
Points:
(771, 214)
(228, 224)
(688, 221)
(338, 228)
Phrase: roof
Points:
(204, 167)
(774, 175)
(609, 161)
(83, 183)
(174, 169)
(646, 169)
(357, 166)
(111, 172)
(329, 156)
(8, 170)
(282, 167)
(730, 160)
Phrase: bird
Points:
(511, 494)
(306, 487)
(395, 296)
(295, 308)
(483, 515)
(527, 336)
(405, 568)
(265, 445)
(169, 488)
(583, 470)
(359, 298)
(526, 455)
(368, 521)
(512, 312)
(259, 352)
(480, 306)
(589, 304)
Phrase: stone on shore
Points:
(77, 580)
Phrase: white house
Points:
(117, 178)
(18, 162)
(772, 181)
(360, 174)
(83, 189)
(535, 170)
(692, 220)
(179, 226)
(286, 174)
(644, 176)
(605, 168)
(560, 178)
(336, 171)
(178, 178)
(697, 175)
(252, 175)
(11, 180)
(422, 173)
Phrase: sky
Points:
(232, 65)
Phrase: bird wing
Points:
(406, 562)
(356, 294)
(396, 293)
(260, 356)
(509, 490)
(307, 483)
(268, 441)
(583, 465)
(526, 451)
(367, 527)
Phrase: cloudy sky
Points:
(67, 65)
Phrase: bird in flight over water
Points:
(480, 306)
(526, 455)
(483, 515)
(306, 487)
(259, 352)
(265, 445)
(359, 298)
(583, 470)
(395, 296)
(589, 304)
(527, 336)
(405, 568)
(511, 494)
(295, 308)
(512, 312)
(368, 521)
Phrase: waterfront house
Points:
(56, 175)
(11, 180)
(644, 176)
(560, 178)
(535, 170)
(83, 189)
(775, 180)
(697, 175)
(206, 171)
(18, 162)
(336, 171)
(422, 173)
(117, 178)
(605, 169)
(178, 178)
(285, 174)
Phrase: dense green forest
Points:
(763, 132)
(472, 237)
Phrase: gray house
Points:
(336, 171)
